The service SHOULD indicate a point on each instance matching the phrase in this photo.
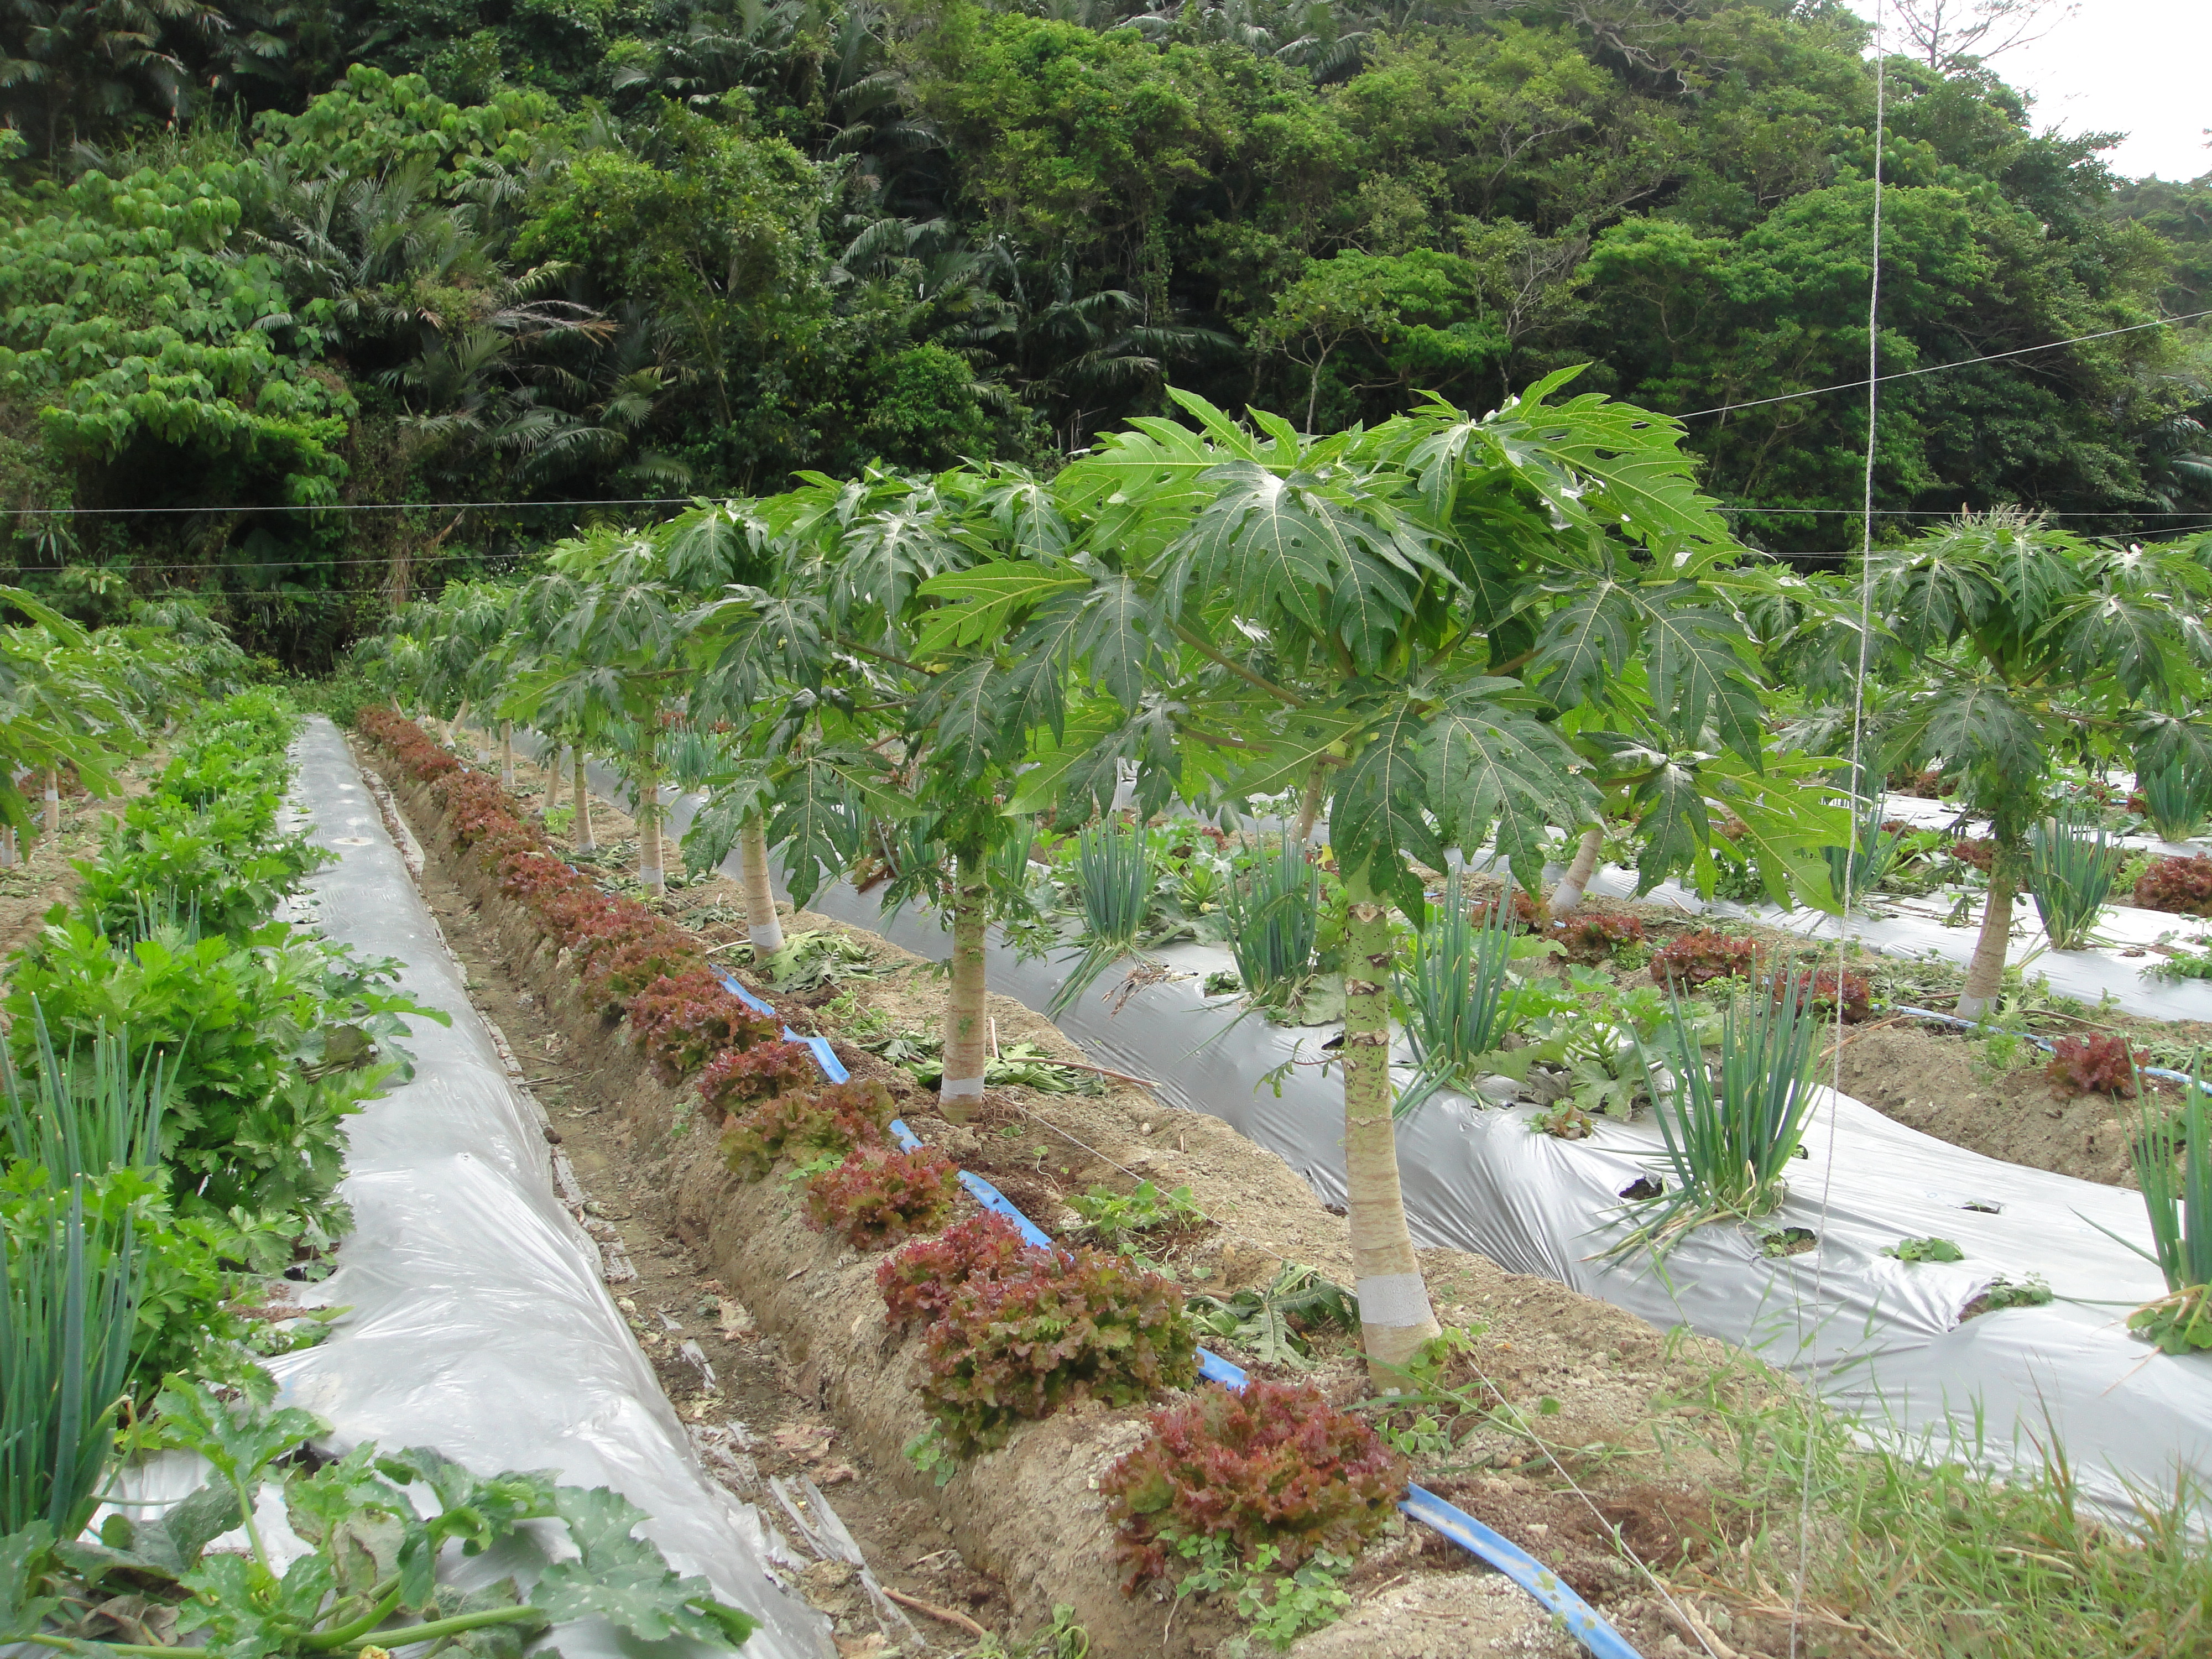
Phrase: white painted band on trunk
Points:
(650, 874)
(960, 1088)
(1392, 1299)
(769, 938)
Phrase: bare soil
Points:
(1551, 1382)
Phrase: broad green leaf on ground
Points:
(240, 1441)
(625, 1580)
(23, 1562)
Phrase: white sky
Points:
(2141, 67)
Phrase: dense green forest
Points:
(284, 262)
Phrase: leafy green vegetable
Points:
(369, 1577)
(1924, 1249)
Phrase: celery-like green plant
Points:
(2174, 1166)
(1274, 911)
(2176, 802)
(1460, 998)
(2070, 873)
(1113, 879)
(1731, 1125)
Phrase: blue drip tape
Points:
(1962, 1024)
(1576, 1616)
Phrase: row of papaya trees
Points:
(75, 703)
(1511, 633)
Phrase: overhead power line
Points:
(1938, 369)
(681, 500)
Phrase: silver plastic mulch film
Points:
(479, 1324)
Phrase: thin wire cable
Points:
(678, 500)
(1874, 380)
(1873, 384)
(361, 506)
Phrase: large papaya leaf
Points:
(1379, 817)
(1499, 775)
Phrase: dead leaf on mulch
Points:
(807, 1441)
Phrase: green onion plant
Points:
(1274, 913)
(1731, 1124)
(1113, 879)
(67, 1310)
(2172, 1160)
(2071, 869)
(1458, 997)
(1861, 867)
(83, 1113)
(2176, 803)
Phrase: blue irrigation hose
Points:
(1576, 1616)
(1578, 1619)
(1958, 1023)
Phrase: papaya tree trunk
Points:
(965, 1021)
(53, 801)
(584, 842)
(507, 754)
(1985, 972)
(649, 871)
(8, 848)
(454, 727)
(1394, 1315)
(1309, 799)
(551, 766)
(763, 928)
(1568, 895)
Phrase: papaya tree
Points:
(2008, 649)
(1433, 615)
(894, 730)
(605, 667)
(715, 552)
